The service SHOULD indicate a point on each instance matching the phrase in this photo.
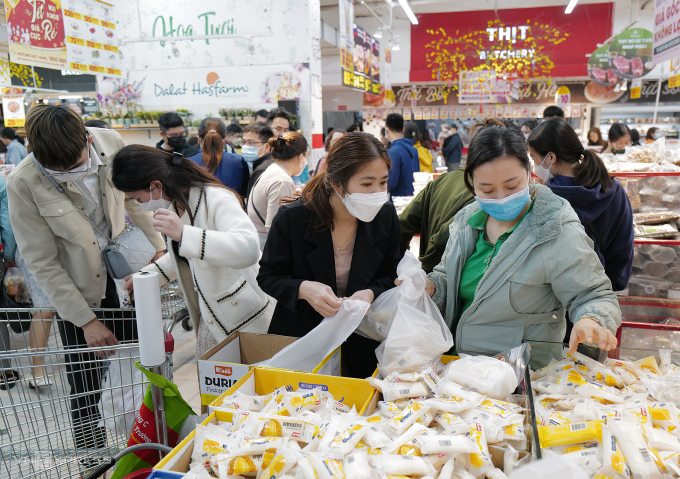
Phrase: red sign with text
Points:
(540, 42)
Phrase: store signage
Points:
(537, 42)
(630, 53)
(674, 81)
(13, 111)
(35, 31)
(183, 88)
(484, 86)
(636, 89)
(563, 96)
(346, 32)
(91, 40)
(666, 44)
(366, 58)
(598, 67)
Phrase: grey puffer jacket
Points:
(546, 267)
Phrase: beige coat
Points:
(58, 243)
(223, 250)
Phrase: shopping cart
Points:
(174, 306)
(39, 436)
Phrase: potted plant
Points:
(249, 115)
(224, 114)
(147, 117)
(154, 117)
(127, 118)
(138, 117)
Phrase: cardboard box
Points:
(261, 381)
(225, 364)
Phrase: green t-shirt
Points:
(479, 261)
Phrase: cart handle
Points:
(112, 462)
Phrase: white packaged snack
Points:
(447, 444)
(612, 456)
(452, 424)
(447, 470)
(357, 466)
(638, 456)
(662, 440)
(485, 375)
(376, 438)
(403, 465)
(327, 467)
(394, 391)
(480, 462)
(402, 421)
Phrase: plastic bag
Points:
(416, 341)
(376, 324)
(484, 375)
(307, 352)
(553, 467)
(122, 395)
(15, 286)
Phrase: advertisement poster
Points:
(630, 53)
(418, 114)
(598, 67)
(91, 37)
(499, 112)
(406, 113)
(375, 66)
(462, 112)
(35, 31)
(517, 112)
(490, 112)
(453, 113)
(388, 69)
(666, 42)
(507, 112)
(444, 113)
(13, 111)
(484, 86)
(426, 114)
(362, 52)
(346, 34)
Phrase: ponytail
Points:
(287, 146)
(213, 132)
(411, 131)
(557, 136)
(591, 172)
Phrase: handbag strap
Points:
(250, 201)
(60, 189)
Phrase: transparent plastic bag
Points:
(15, 286)
(416, 340)
(376, 324)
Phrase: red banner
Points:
(540, 42)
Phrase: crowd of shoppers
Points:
(254, 251)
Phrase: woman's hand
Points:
(168, 223)
(430, 287)
(363, 295)
(320, 297)
(128, 284)
(588, 331)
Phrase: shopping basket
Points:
(40, 437)
(174, 307)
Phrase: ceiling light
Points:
(570, 7)
(395, 45)
(617, 88)
(409, 13)
(70, 97)
(624, 85)
(46, 101)
(378, 33)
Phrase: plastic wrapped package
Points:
(664, 231)
(15, 286)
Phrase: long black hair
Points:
(493, 139)
(135, 167)
(557, 136)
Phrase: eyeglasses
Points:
(281, 130)
(178, 135)
(620, 145)
(252, 143)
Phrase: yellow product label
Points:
(657, 459)
(648, 364)
(573, 433)
(513, 429)
(272, 428)
(241, 465)
(375, 419)
(212, 447)
(498, 408)
(477, 459)
(408, 450)
(347, 434)
(660, 414)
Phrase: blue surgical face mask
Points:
(250, 153)
(508, 208)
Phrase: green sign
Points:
(598, 67)
(630, 53)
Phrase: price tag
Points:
(563, 96)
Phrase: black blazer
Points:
(295, 253)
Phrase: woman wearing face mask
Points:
(528, 126)
(653, 134)
(212, 245)
(290, 158)
(517, 260)
(619, 139)
(579, 176)
(341, 239)
(229, 168)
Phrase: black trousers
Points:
(85, 371)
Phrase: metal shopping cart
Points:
(40, 435)
(174, 306)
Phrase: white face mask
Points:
(153, 205)
(364, 206)
(543, 172)
(74, 174)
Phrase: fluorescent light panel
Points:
(570, 7)
(409, 13)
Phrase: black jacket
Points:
(187, 150)
(295, 253)
(259, 167)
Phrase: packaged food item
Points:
(485, 375)
(348, 438)
(254, 446)
(451, 423)
(447, 444)
(233, 465)
(570, 433)
(302, 401)
(394, 391)
(276, 426)
(402, 421)
(480, 462)
(407, 443)
(612, 454)
(327, 467)
(282, 462)
(664, 414)
(388, 409)
(638, 456)
(376, 438)
(662, 440)
(656, 231)
(403, 465)
(605, 394)
(357, 466)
